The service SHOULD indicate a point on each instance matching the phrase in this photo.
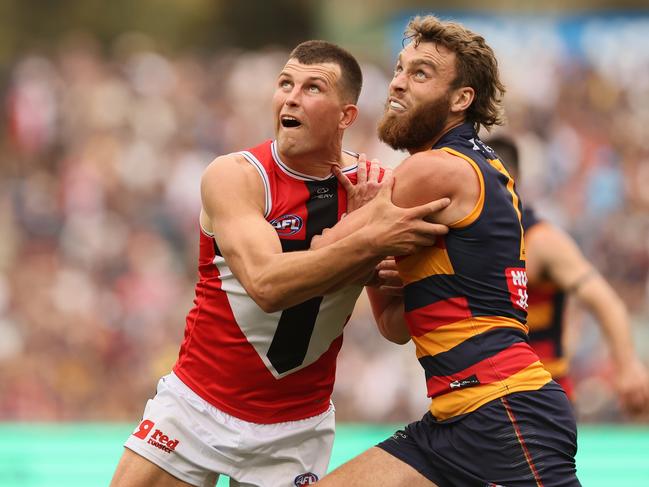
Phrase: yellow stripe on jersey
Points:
(477, 209)
(556, 367)
(449, 336)
(429, 261)
(539, 316)
(462, 401)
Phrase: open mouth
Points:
(289, 122)
(395, 105)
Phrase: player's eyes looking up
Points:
(285, 84)
(419, 75)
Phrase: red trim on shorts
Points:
(519, 435)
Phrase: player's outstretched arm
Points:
(571, 270)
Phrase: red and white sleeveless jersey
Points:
(268, 367)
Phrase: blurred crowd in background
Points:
(102, 153)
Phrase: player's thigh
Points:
(136, 471)
(293, 453)
(377, 468)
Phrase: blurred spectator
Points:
(101, 162)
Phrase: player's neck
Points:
(450, 125)
(317, 164)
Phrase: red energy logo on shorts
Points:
(308, 478)
(158, 438)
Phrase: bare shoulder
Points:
(438, 162)
(433, 174)
(547, 238)
(552, 251)
(228, 166)
(231, 178)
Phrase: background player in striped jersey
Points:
(556, 268)
(496, 417)
(250, 393)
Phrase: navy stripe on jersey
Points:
(555, 330)
(322, 212)
(419, 294)
(529, 218)
(481, 281)
(291, 340)
(447, 286)
(471, 351)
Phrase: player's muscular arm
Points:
(448, 184)
(233, 199)
(399, 231)
(430, 175)
(555, 253)
(558, 255)
(388, 311)
(421, 178)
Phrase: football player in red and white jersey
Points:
(249, 396)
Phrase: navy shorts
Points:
(523, 439)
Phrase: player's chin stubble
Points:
(416, 128)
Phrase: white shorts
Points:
(195, 442)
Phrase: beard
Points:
(416, 128)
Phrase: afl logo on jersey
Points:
(287, 225)
(308, 478)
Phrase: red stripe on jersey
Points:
(539, 295)
(545, 349)
(428, 318)
(498, 367)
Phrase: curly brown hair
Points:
(476, 65)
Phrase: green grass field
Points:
(84, 455)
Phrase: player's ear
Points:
(461, 98)
(348, 115)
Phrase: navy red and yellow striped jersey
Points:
(545, 317)
(465, 298)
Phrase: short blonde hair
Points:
(476, 65)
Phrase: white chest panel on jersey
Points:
(260, 327)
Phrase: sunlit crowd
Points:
(101, 157)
